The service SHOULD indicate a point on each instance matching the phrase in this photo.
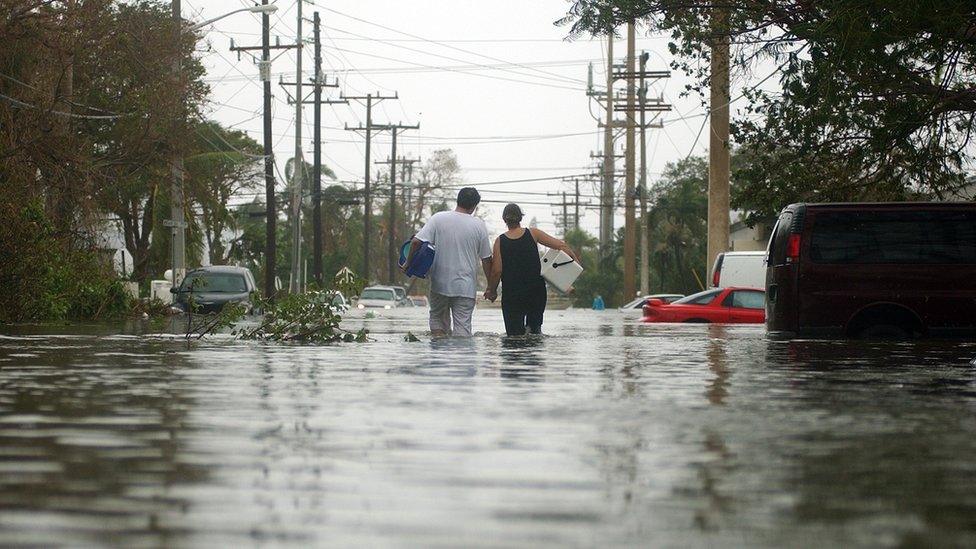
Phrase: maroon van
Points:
(879, 270)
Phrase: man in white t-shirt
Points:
(460, 241)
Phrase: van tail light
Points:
(717, 274)
(793, 247)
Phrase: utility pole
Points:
(656, 105)
(406, 190)
(576, 217)
(645, 240)
(407, 176)
(392, 242)
(295, 283)
(370, 100)
(562, 220)
(318, 82)
(565, 204)
(718, 144)
(630, 247)
(565, 216)
(271, 212)
(317, 158)
(176, 223)
(606, 191)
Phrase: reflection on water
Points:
(603, 432)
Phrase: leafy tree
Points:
(439, 177)
(679, 207)
(131, 155)
(221, 164)
(86, 127)
(599, 277)
(877, 99)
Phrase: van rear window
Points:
(927, 237)
(776, 248)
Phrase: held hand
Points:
(569, 251)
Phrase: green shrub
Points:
(43, 279)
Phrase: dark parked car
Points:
(892, 270)
(210, 288)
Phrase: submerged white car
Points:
(637, 306)
(378, 297)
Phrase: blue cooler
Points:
(421, 261)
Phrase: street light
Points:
(261, 8)
(177, 223)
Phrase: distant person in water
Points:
(598, 303)
(460, 241)
(515, 263)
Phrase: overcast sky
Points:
(496, 82)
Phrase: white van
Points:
(739, 269)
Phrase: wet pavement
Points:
(605, 432)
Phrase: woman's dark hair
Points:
(468, 198)
(512, 215)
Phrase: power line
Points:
(433, 41)
(564, 79)
(19, 103)
(425, 68)
(555, 86)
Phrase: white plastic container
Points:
(159, 289)
(560, 270)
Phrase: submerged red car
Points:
(719, 306)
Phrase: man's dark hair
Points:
(468, 198)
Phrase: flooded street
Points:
(606, 432)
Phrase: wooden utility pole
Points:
(392, 254)
(565, 215)
(562, 219)
(606, 190)
(317, 158)
(630, 232)
(271, 211)
(176, 222)
(318, 83)
(295, 284)
(630, 108)
(370, 100)
(645, 240)
(576, 217)
(406, 175)
(566, 225)
(718, 145)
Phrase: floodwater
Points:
(604, 433)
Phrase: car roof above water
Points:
(880, 205)
(220, 269)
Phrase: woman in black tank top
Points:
(516, 264)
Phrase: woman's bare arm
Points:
(496, 266)
(548, 241)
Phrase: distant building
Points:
(968, 191)
(743, 238)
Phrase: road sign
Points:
(345, 276)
